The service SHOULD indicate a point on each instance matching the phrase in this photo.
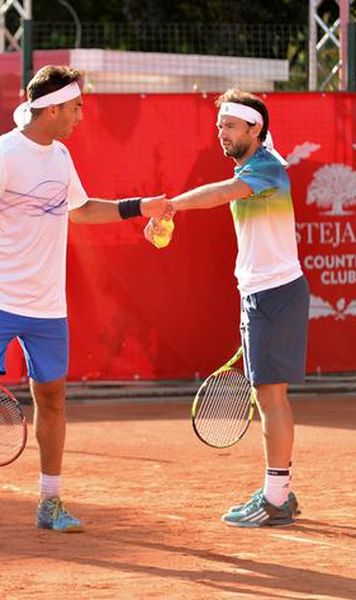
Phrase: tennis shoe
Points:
(51, 514)
(258, 512)
(292, 500)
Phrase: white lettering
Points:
(334, 269)
(328, 233)
(338, 277)
(319, 262)
(348, 233)
(308, 262)
(330, 261)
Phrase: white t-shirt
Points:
(38, 186)
(265, 226)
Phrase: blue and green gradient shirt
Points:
(265, 226)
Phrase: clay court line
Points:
(173, 517)
(7, 487)
(303, 540)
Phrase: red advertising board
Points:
(320, 142)
(141, 313)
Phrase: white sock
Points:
(50, 486)
(276, 488)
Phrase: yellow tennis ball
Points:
(161, 241)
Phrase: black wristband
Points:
(130, 207)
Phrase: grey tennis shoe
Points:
(292, 500)
(258, 512)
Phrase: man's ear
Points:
(255, 130)
(53, 111)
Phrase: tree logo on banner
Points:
(333, 187)
(330, 258)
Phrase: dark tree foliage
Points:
(176, 11)
(187, 11)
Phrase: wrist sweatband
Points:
(130, 207)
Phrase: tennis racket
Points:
(223, 406)
(13, 428)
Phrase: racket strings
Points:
(224, 408)
(224, 419)
(11, 428)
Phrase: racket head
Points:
(223, 408)
(13, 428)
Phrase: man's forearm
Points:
(96, 211)
(211, 194)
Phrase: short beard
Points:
(238, 151)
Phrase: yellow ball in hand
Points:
(162, 240)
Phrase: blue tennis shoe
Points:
(292, 499)
(258, 512)
(51, 514)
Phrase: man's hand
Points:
(159, 232)
(153, 227)
(156, 207)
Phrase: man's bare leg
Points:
(50, 425)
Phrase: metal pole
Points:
(351, 83)
(27, 51)
(313, 69)
(11, 37)
(2, 29)
(78, 35)
(344, 11)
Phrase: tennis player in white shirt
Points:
(39, 189)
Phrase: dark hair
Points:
(52, 78)
(235, 95)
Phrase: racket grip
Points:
(162, 240)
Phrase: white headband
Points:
(22, 114)
(66, 93)
(269, 145)
(241, 111)
(246, 113)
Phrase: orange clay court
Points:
(151, 496)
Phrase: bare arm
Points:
(205, 196)
(212, 194)
(96, 211)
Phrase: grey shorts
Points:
(273, 329)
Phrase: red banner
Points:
(320, 139)
(141, 313)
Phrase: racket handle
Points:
(161, 241)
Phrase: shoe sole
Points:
(74, 529)
(295, 509)
(271, 523)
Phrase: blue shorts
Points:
(44, 343)
(273, 328)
